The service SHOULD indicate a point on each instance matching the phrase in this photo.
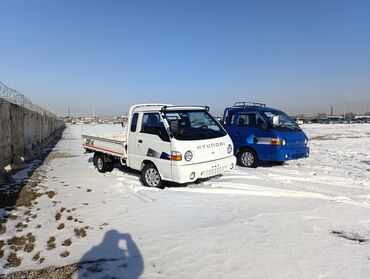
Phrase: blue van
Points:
(260, 133)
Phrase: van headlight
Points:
(305, 141)
(283, 142)
(229, 149)
(188, 156)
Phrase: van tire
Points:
(151, 177)
(100, 164)
(248, 158)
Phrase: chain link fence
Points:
(18, 98)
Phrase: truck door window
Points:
(134, 122)
(248, 119)
(152, 124)
(230, 118)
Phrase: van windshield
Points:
(193, 125)
(285, 122)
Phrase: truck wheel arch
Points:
(246, 147)
(144, 163)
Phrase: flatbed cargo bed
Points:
(112, 144)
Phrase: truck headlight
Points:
(305, 141)
(283, 142)
(229, 149)
(188, 156)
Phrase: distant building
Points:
(332, 119)
(361, 119)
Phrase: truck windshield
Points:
(285, 122)
(193, 125)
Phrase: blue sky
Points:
(299, 56)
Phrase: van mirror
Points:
(275, 120)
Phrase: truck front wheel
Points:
(248, 158)
(151, 176)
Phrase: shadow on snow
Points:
(109, 260)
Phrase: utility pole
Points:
(69, 112)
(344, 111)
(93, 113)
(331, 110)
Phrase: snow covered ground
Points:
(305, 219)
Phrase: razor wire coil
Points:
(18, 98)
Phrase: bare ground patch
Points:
(64, 272)
(80, 232)
(58, 155)
(353, 236)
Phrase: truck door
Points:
(155, 144)
(230, 127)
(133, 156)
(249, 132)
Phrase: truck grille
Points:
(212, 172)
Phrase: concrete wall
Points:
(22, 131)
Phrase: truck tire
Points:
(101, 165)
(110, 166)
(94, 158)
(151, 176)
(248, 158)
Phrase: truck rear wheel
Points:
(100, 164)
(248, 158)
(151, 176)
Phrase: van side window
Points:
(248, 119)
(153, 125)
(134, 122)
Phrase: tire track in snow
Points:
(132, 190)
(263, 191)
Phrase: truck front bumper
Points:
(284, 154)
(190, 173)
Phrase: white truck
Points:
(166, 143)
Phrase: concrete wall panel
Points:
(17, 129)
(5, 138)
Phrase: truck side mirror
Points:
(263, 126)
(275, 120)
(162, 133)
(174, 126)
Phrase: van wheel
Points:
(151, 176)
(100, 164)
(248, 158)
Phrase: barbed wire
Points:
(18, 98)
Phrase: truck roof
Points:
(248, 106)
(165, 107)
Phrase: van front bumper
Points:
(190, 173)
(285, 154)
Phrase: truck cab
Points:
(177, 143)
(260, 133)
